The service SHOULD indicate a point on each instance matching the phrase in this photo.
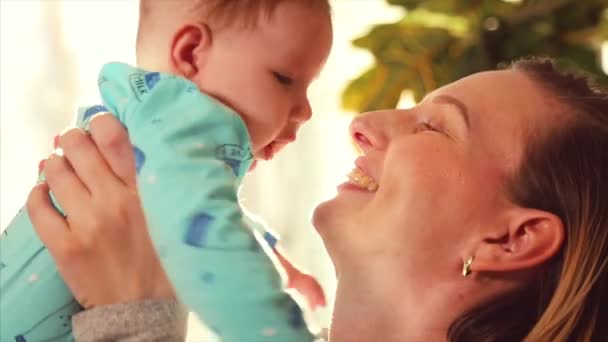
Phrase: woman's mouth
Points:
(362, 180)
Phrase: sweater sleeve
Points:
(148, 320)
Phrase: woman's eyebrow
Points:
(462, 109)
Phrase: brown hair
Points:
(245, 13)
(564, 172)
(162, 14)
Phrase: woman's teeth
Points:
(360, 179)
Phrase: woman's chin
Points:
(320, 216)
(327, 217)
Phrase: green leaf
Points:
(603, 26)
(452, 7)
(379, 37)
(440, 41)
(454, 24)
(574, 17)
(378, 88)
(403, 42)
(582, 57)
(408, 4)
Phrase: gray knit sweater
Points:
(149, 320)
(140, 321)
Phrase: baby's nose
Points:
(302, 112)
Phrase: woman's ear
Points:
(189, 49)
(529, 238)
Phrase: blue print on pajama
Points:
(270, 239)
(235, 165)
(142, 84)
(208, 277)
(233, 156)
(92, 111)
(151, 79)
(198, 230)
(296, 318)
(140, 158)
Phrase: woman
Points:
(479, 215)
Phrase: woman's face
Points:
(440, 170)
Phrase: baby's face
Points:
(264, 73)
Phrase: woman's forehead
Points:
(504, 108)
(507, 96)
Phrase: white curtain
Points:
(51, 51)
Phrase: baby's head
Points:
(256, 56)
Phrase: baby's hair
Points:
(247, 12)
(244, 13)
(163, 14)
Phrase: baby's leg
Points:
(35, 303)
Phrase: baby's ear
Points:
(189, 49)
(529, 238)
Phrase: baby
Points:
(227, 86)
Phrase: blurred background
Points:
(52, 50)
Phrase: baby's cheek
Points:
(258, 133)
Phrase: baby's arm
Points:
(302, 282)
(191, 152)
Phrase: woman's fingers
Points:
(87, 161)
(84, 158)
(51, 227)
(112, 140)
(67, 188)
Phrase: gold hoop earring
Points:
(466, 267)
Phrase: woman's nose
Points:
(369, 131)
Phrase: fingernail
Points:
(56, 141)
(41, 165)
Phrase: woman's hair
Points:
(565, 172)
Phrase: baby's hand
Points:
(307, 286)
(304, 283)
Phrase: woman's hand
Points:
(102, 247)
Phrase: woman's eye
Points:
(424, 126)
(284, 80)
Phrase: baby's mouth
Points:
(360, 179)
(268, 153)
(253, 165)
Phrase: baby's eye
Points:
(284, 80)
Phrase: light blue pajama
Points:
(191, 154)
